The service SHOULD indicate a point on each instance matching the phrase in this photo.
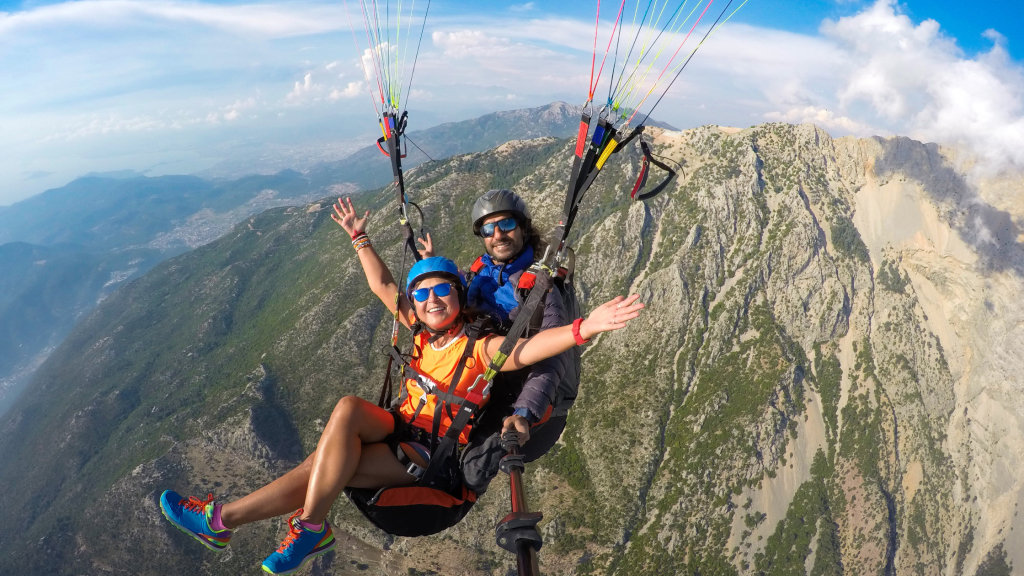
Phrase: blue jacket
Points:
(493, 290)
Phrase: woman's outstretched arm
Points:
(381, 282)
(611, 315)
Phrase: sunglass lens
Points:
(421, 294)
(506, 225)
(442, 290)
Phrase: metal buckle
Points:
(477, 381)
(415, 470)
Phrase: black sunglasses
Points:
(505, 224)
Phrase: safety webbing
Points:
(467, 409)
(642, 181)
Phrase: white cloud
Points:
(523, 7)
(332, 65)
(351, 91)
(472, 43)
(919, 81)
(231, 115)
(303, 89)
(822, 117)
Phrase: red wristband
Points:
(357, 233)
(576, 332)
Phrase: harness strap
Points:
(466, 406)
(411, 467)
(475, 395)
(649, 159)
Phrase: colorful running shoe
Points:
(300, 546)
(192, 516)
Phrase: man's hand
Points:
(428, 246)
(518, 424)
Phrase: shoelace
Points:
(294, 530)
(195, 504)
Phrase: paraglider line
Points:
(593, 58)
(633, 45)
(359, 55)
(667, 88)
(593, 86)
(670, 60)
(412, 75)
(409, 140)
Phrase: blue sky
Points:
(174, 86)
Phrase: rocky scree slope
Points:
(821, 383)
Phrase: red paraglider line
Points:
(674, 54)
(593, 83)
(593, 58)
(359, 54)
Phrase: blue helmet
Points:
(434, 266)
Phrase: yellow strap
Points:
(607, 152)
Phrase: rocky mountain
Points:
(827, 379)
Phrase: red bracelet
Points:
(576, 332)
(356, 233)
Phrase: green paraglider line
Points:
(631, 83)
(412, 74)
(667, 65)
(714, 27)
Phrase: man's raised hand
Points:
(428, 246)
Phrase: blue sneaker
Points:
(192, 516)
(300, 546)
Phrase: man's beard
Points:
(507, 252)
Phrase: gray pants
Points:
(483, 454)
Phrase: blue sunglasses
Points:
(505, 224)
(442, 290)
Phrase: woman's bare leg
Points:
(284, 495)
(338, 455)
(288, 493)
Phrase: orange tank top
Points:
(439, 366)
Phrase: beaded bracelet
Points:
(361, 241)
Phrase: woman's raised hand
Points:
(611, 315)
(345, 216)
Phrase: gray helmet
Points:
(495, 202)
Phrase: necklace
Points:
(462, 332)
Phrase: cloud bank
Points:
(91, 85)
